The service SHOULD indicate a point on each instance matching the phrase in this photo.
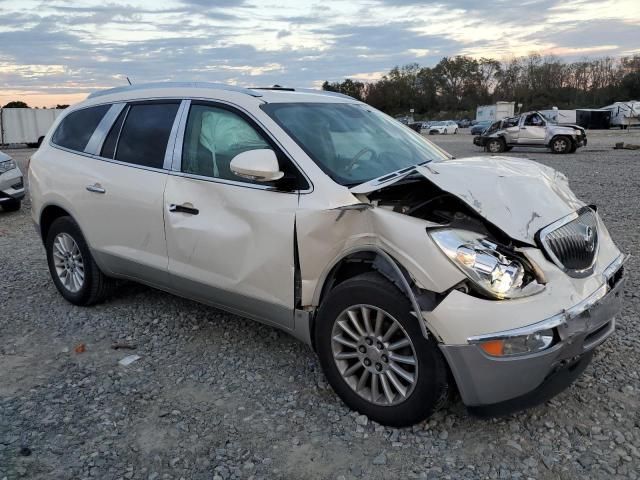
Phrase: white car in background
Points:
(11, 184)
(409, 273)
(444, 127)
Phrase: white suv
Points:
(409, 273)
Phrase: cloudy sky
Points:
(58, 51)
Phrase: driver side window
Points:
(213, 137)
(534, 120)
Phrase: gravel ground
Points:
(214, 396)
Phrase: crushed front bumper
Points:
(500, 385)
(480, 141)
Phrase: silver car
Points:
(11, 184)
(531, 129)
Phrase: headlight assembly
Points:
(7, 165)
(491, 269)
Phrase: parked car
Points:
(531, 129)
(415, 126)
(11, 184)
(410, 273)
(480, 127)
(464, 123)
(446, 127)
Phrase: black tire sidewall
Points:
(70, 227)
(11, 205)
(431, 385)
(499, 141)
(567, 142)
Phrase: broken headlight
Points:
(492, 270)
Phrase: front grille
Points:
(573, 245)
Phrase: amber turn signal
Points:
(493, 347)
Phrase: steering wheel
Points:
(357, 156)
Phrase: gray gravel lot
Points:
(215, 396)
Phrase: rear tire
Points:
(398, 399)
(71, 265)
(11, 205)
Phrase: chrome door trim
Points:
(169, 153)
(94, 145)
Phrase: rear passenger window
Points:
(76, 129)
(145, 134)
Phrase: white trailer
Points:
(497, 111)
(561, 117)
(25, 125)
(624, 114)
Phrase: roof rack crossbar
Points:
(144, 86)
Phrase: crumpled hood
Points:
(516, 195)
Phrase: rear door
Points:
(122, 192)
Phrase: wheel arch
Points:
(50, 214)
(362, 259)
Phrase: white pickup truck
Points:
(531, 129)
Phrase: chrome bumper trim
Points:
(562, 317)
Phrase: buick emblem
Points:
(589, 237)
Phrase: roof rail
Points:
(324, 92)
(145, 86)
(304, 90)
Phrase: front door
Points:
(230, 240)
(532, 130)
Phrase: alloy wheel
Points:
(494, 146)
(374, 355)
(559, 145)
(68, 262)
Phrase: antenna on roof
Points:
(128, 80)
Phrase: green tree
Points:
(16, 104)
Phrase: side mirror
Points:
(260, 165)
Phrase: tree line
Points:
(457, 85)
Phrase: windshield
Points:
(352, 143)
(437, 124)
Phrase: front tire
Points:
(11, 205)
(561, 145)
(71, 265)
(374, 355)
(496, 145)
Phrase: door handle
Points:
(96, 188)
(183, 209)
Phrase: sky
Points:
(59, 51)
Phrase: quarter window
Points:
(213, 136)
(76, 129)
(145, 134)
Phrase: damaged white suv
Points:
(410, 273)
